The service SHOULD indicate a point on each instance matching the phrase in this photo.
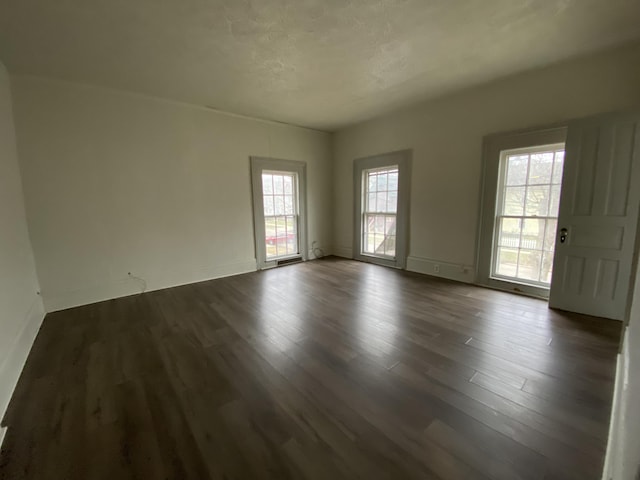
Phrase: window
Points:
(519, 202)
(280, 202)
(526, 220)
(379, 216)
(279, 210)
(381, 189)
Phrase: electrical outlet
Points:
(436, 268)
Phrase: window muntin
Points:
(280, 201)
(527, 214)
(379, 215)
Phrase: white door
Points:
(598, 216)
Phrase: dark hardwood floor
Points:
(325, 370)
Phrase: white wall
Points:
(21, 310)
(117, 182)
(623, 451)
(446, 137)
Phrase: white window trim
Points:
(494, 146)
(259, 165)
(403, 160)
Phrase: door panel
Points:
(599, 210)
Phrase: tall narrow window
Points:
(280, 199)
(380, 208)
(279, 210)
(527, 205)
(382, 204)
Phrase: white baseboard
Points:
(13, 364)
(436, 268)
(55, 301)
(344, 252)
(616, 425)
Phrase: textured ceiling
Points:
(317, 63)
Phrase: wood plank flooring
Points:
(331, 369)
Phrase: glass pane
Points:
(393, 181)
(381, 202)
(558, 166)
(278, 205)
(509, 232)
(550, 235)
(392, 202)
(390, 225)
(268, 205)
(537, 201)
(371, 203)
(507, 262)
(555, 201)
(382, 182)
(291, 224)
(278, 186)
(532, 234)
(267, 183)
(288, 184)
(540, 168)
(373, 182)
(390, 246)
(529, 265)
(514, 201)
(379, 225)
(288, 205)
(517, 169)
(547, 267)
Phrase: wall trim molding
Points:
(14, 362)
(140, 281)
(438, 268)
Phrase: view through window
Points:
(380, 211)
(527, 214)
(280, 202)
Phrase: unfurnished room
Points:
(360, 239)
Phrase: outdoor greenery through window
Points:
(280, 201)
(527, 214)
(380, 211)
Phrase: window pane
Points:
(558, 166)
(550, 235)
(514, 201)
(532, 234)
(371, 203)
(537, 201)
(507, 262)
(268, 205)
(381, 202)
(509, 232)
(517, 169)
(288, 205)
(378, 225)
(390, 225)
(390, 246)
(393, 181)
(291, 224)
(278, 186)
(547, 267)
(382, 182)
(555, 201)
(288, 184)
(279, 204)
(529, 265)
(540, 168)
(267, 183)
(373, 183)
(392, 202)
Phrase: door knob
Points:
(563, 235)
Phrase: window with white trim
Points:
(528, 198)
(379, 213)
